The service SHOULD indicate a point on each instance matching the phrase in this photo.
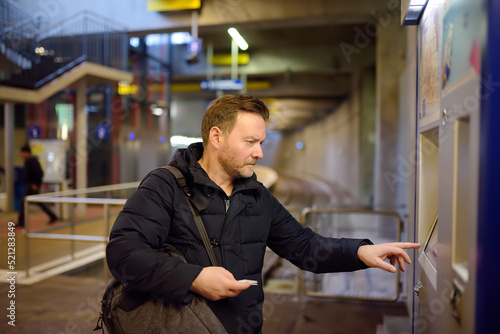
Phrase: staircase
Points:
(36, 53)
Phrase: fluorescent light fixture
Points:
(414, 12)
(182, 141)
(237, 38)
(155, 110)
(134, 41)
(64, 132)
(180, 37)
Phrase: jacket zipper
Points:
(227, 204)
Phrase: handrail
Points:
(84, 191)
(18, 26)
(119, 27)
(72, 200)
(300, 281)
(15, 17)
(17, 7)
(64, 197)
(66, 237)
(61, 70)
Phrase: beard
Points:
(232, 167)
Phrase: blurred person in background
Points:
(33, 174)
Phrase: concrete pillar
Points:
(367, 136)
(390, 60)
(355, 106)
(81, 136)
(9, 155)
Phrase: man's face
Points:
(241, 148)
(25, 155)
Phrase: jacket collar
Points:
(186, 160)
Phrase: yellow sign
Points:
(172, 5)
(195, 86)
(127, 89)
(226, 59)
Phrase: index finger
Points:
(405, 245)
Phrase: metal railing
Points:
(11, 13)
(41, 54)
(100, 39)
(368, 284)
(379, 226)
(74, 197)
(18, 29)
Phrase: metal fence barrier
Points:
(368, 284)
(74, 197)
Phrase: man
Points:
(33, 175)
(241, 217)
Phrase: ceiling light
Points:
(180, 37)
(155, 110)
(182, 141)
(64, 132)
(238, 39)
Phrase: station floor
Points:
(70, 302)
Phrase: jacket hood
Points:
(186, 159)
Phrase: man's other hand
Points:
(375, 255)
(216, 283)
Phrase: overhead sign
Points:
(222, 84)
(227, 59)
(127, 89)
(34, 131)
(172, 5)
(194, 47)
(101, 132)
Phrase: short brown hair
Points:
(222, 112)
(26, 148)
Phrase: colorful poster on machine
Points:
(461, 52)
(429, 51)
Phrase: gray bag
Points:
(128, 311)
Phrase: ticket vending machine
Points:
(451, 37)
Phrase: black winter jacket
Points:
(157, 213)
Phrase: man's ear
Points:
(215, 137)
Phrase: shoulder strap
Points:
(181, 181)
(199, 222)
